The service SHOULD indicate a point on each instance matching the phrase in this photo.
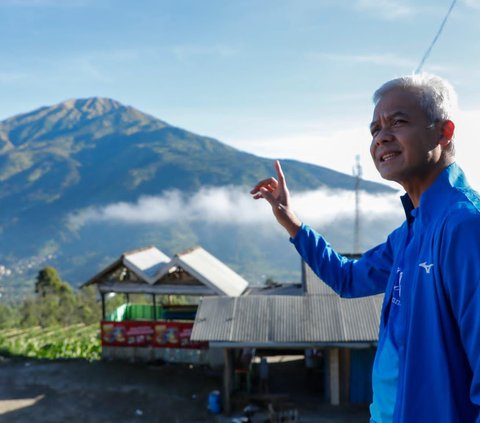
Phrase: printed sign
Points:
(160, 334)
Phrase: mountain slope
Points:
(60, 159)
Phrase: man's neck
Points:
(415, 188)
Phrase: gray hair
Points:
(436, 95)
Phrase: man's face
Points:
(404, 145)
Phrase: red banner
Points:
(160, 334)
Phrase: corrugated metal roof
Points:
(208, 270)
(146, 263)
(280, 289)
(154, 269)
(313, 284)
(277, 320)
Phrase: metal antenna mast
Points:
(357, 173)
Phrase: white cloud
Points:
(234, 205)
(336, 143)
(59, 3)
(7, 77)
(402, 65)
(387, 59)
(324, 206)
(474, 4)
(220, 205)
(385, 9)
(466, 144)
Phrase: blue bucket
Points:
(214, 402)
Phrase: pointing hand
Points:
(277, 194)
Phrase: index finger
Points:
(278, 169)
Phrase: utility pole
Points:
(357, 173)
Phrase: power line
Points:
(427, 53)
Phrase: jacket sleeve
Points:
(460, 268)
(348, 278)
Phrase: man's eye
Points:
(374, 131)
(398, 122)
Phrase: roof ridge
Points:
(188, 250)
(138, 250)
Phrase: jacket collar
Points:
(433, 201)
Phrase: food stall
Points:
(161, 328)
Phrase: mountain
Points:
(58, 160)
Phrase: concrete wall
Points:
(146, 354)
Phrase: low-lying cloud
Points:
(234, 205)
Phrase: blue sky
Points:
(283, 78)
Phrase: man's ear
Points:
(448, 129)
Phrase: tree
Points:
(55, 302)
(49, 282)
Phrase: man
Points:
(427, 366)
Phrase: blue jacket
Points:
(439, 364)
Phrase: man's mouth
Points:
(388, 156)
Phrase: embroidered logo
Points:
(426, 266)
(397, 288)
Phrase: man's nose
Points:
(383, 135)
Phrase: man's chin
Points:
(389, 176)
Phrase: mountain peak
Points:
(96, 115)
(94, 105)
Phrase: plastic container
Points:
(214, 402)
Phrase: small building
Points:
(311, 318)
(160, 329)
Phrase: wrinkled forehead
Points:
(398, 100)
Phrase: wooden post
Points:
(325, 376)
(154, 307)
(344, 375)
(227, 380)
(103, 305)
(334, 376)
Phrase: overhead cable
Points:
(427, 53)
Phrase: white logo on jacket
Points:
(426, 266)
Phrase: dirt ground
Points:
(40, 391)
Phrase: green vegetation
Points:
(74, 341)
(57, 322)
